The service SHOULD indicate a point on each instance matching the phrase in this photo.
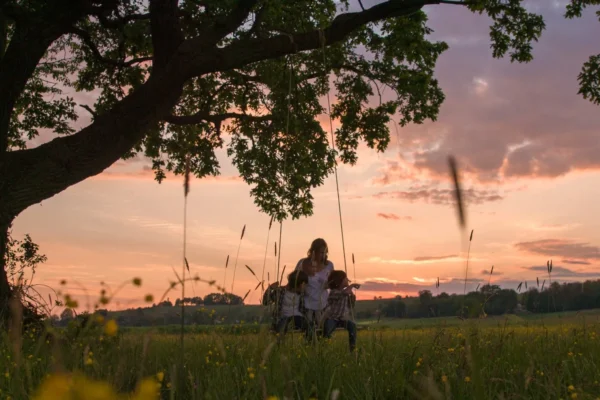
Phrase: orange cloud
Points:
(147, 174)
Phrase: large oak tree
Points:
(170, 76)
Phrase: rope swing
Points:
(337, 185)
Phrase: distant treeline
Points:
(493, 300)
(212, 299)
(487, 300)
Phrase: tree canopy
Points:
(170, 77)
(589, 77)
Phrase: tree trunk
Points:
(5, 291)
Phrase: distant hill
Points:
(489, 300)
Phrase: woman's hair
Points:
(335, 279)
(296, 279)
(316, 245)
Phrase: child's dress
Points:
(287, 306)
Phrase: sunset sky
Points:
(528, 146)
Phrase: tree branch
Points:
(14, 12)
(32, 175)
(3, 34)
(166, 31)
(89, 109)
(120, 22)
(89, 43)
(223, 26)
(203, 116)
(247, 78)
(258, 17)
(26, 49)
(244, 52)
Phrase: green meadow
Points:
(512, 357)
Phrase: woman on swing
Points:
(317, 267)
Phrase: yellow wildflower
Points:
(146, 390)
(444, 378)
(571, 388)
(84, 388)
(160, 376)
(467, 379)
(111, 327)
(55, 387)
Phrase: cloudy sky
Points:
(527, 143)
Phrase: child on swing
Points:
(339, 304)
(288, 301)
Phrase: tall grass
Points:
(265, 258)
(474, 360)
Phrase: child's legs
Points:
(281, 327)
(351, 328)
(299, 322)
(310, 324)
(328, 327)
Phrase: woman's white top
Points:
(315, 295)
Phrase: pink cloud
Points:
(561, 248)
(394, 217)
(441, 196)
(506, 121)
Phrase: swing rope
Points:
(337, 185)
(287, 133)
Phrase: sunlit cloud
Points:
(541, 227)
(480, 86)
(423, 260)
(562, 248)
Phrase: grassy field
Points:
(246, 312)
(530, 357)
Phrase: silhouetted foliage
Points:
(570, 296)
(394, 308)
(222, 299)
